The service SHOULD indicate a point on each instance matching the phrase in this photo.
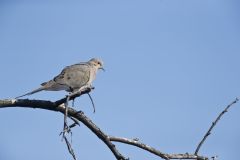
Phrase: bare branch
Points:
(79, 116)
(75, 122)
(186, 156)
(48, 105)
(76, 116)
(137, 143)
(213, 125)
(70, 149)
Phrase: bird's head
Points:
(96, 63)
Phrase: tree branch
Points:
(214, 124)
(48, 105)
(137, 143)
(79, 116)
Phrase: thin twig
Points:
(66, 128)
(92, 102)
(70, 149)
(76, 122)
(213, 124)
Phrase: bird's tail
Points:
(32, 92)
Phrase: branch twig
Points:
(70, 149)
(137, 143)
(92, 102)
(48, 105)
(213, 125)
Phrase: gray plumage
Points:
(72, 78)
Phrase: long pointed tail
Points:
(32, 92)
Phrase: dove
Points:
(72, 78)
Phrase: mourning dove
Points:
(72, 78)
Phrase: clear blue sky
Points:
(171, 67)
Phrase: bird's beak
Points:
(102, 69)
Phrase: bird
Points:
(72, 78)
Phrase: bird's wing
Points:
(74, 76)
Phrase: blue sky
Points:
(171, 67)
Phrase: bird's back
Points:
(74, 76)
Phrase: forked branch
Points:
(48, 105)
(79, 116)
